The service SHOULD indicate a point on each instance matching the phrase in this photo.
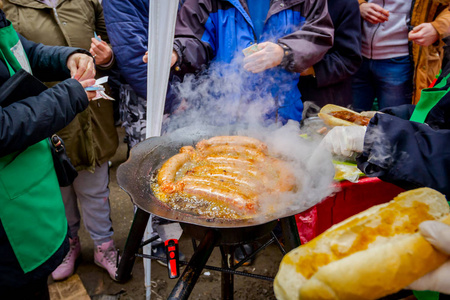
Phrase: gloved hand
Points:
(345, 140)
(269, 55)
(369, 113)
(438, 234)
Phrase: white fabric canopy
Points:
(161, 29)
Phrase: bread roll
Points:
(331, 121)
(370, 255)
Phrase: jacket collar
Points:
(275, 6)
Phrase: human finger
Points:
(86, 83)
(437, 233)
(85, 68)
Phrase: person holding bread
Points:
(375, 254)
(408, 146)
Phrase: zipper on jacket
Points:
(56, 15)
(374, 33)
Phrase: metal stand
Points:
(132, 245)
(192, 272)
(203, 251)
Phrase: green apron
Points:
(428, 99)
(31, 207)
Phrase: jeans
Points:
(390, 81)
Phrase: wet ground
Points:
(99, 286)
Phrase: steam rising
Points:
(225, 97)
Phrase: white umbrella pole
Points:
(161, 29)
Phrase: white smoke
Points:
(221, 97)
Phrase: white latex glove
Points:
(345, 140)
(438, 234)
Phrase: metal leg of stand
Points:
(132, 245)
(290, 233)
(186, 283)
(227, 279)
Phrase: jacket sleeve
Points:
(312, 41)
(191, 34)
(406, 153)
(30, 120)
(127, 27)
(100, 29)
(442, 22)
(49, 63)
(344, 58)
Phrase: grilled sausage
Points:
(233, 141)
(220, 195)
(229, 185)
(237, 150)
(167, 173)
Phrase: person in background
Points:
(290, 38)
(91, 138)
(402, 51)
(33, 227)
(408, 146)
(287, 38)
(127, 26)
(329, 80)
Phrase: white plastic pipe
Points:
(161, 30)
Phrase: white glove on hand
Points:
(345, 140)
(438, 234)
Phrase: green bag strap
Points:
(10, 69)
(12, 52)
(428, 99)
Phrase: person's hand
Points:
(172, 61)
(85, 84)
(373, 13)
(101, 51)
(369, 113)
(424, 34)
(145, 57)
(345, 140)
(438, 234)
(81, 66)
(270, 55)
(174, 58)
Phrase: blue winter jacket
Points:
(216, 31)
(127, 27)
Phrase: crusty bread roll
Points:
(331, 121)
(370, 255)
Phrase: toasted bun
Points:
(333, 121)
(370, 255)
